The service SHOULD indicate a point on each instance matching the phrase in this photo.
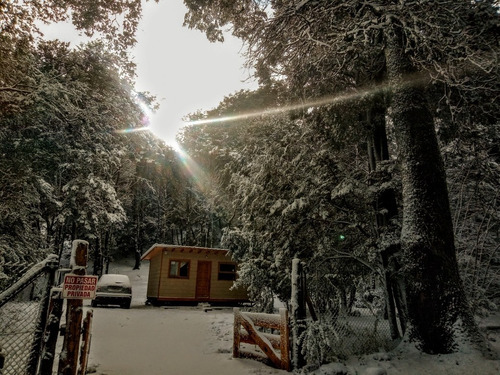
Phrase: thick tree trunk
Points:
(433, 289)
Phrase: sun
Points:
(161, 123)
(166, 127)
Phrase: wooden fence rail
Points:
(267, 342)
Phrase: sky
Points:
(182, 68)
(179, 66)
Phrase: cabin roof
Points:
(157, 248)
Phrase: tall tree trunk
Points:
(107, 256)
(97, 270)
(378, 149)
(385, 208)
(434, 291)
(137, 244)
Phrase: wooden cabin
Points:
(191, 274)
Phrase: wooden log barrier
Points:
(245, 331)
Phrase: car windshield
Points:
(114, 280)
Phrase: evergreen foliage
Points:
(336, 159)
(72, 163)
(388, 58)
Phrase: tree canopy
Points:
(72, 163)
(390, 52)
(370, 151)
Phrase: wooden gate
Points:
(267, 342)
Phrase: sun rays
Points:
(348, 95)
(146, 115)
(352, 94)
(194, 171)
(200, 178)
(132, 130)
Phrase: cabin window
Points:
(179, 269)
(227, 271)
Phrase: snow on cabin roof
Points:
(156, 248)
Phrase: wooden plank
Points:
(264, 320)
(258, 356)
(265, 341)
(262, 342)
(246, 338)
(71, 342)
(298, 304)
(154, 276)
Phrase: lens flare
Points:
(197, 174)
(355, 93)
(132, 130)
(352, 94)
(146, 116)
(272, 111)
(203, 181)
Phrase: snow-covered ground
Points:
(190, 340)
(164, 340)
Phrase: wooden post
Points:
(284, 340)
(298, 305)
(84, 352)
(236, 333)
(38, 338)
(49, 350)
(68, 362)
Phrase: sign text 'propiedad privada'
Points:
(79, 286)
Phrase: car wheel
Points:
(93, 303)
(126, 305)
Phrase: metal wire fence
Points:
(23, 310)
(363, 331)
(334, 337)
(15, 272)
(337, 335)
(355, 318)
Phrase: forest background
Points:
(314, 164)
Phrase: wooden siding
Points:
(154, 277)
(163, 287)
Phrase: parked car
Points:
(113, 289)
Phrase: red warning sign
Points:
(79, 286)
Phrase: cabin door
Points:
(203, 280)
